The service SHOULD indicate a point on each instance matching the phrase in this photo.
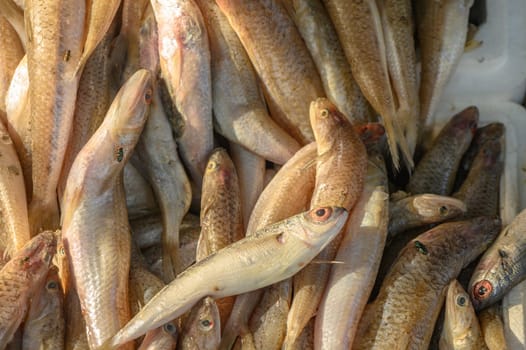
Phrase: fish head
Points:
(164, 337)
(435, 208)
(459, 311)
(492, 131)
(321, 224)
(203, 326)
(219, 168)
(36, 255)
(325, 118)
(465, 120)
(490, 154)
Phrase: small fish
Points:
(409, 301)
(270, 255)
(436, 171)
(202, 330)
(419, 210)
(20, 279)
(461, 325)
(502, 266)
(44, 326)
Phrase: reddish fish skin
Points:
(20, 278)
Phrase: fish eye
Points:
(52, 285)
(211, 165)
(461, 300)
(148, 96)
(421, 247)
(206, 324)
(482, 289)
(169, 328)
(443, 210)
(503, 254)
(324, 113)
(320, 214)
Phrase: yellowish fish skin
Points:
(492, 328)
(202, 329)
(11, 52)
(55, 34)
(359, 27)
(95, 205)
(18, 110)
(185, 64)
(272, 254)
(461, 326)
(360, 252)
(288, 73)
(162, 338)
(14, 14)
(14, 224)
(20, 280)
(442, 29)
(239, 109)
(76, 337)
(44, 326)
(316, 28)
(424, 268)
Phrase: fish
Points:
(55, 37)
(162, 338)
(492, 328)
(359, 28)
(419, 210)
(398, 29)
(11, 52)
(272, 254)
(140, 200)
(14, 14)
(436, 171)
(461, 325)
(240, 113)
(19, 121)
(288, 193)
(20, 279)
(501, 267)
(317, 30)
(76, 337)
(14, 223)
(185, 65)
(480, 189)
(288, 75)
(397, 318)
(202, 329)
(94, 190)
(341, 166)
(442, 27)
(44, 326)
(350, 283)
(99, 16)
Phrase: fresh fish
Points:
(99, 16)
(287, 194)
(341, 166)
(318, 32)
(281, 60)
(270, 255)
(14, 224)
(502, 266)
(162, 338)
(492, 131)
(202, 328)
(250, 169)
(15, 16)
(436, 171)
(185, 64)
(268, 323)
(406, 309)
(442, 27)
(398, 29)
(20, 280)
(480, 190)
(94, 97)
(239, 109)
(11, 52)
(19, 121)
(351, 281)
(44, 326)
(55, 36)
(492, 328)
(95, 205)
(461, 325)
(156, 156)
(422, 209)
(140, 199)
(359, 27)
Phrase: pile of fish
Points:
(238, 174)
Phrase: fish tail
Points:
(410, 128)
